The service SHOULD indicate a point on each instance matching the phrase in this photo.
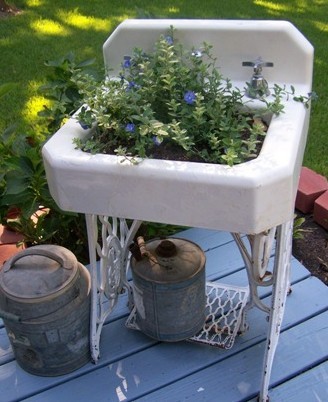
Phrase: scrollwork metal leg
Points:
(256, 256)
(111, 246)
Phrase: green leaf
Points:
(26, 166)
(15, 184)
(86, 63)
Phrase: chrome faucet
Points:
(258, 86)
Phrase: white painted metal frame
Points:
(113, 251)
(256, 262)
(107, 282)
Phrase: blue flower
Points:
(132, 84)
(127, 62)
(85, 126)
(189, 97)
(130, 127)
(169, 40)
(197, 53)
(313, 95)
(156, 140)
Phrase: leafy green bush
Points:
(26, 205)
(23, 185)
(173, 98)
(61, 90)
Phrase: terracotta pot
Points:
(8, 243)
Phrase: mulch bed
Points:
(312, 249)
(7, 10)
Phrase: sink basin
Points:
(247, 198)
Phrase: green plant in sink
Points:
(173, 103)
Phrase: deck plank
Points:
(134, 367)
(238, 378)
(311, 386)
(161, 364)
(234, 378)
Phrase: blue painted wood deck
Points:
(133, 367)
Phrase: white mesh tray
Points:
(224, 313)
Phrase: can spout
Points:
(166, 248)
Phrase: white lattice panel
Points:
(224, 309)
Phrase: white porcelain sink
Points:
(246, 198)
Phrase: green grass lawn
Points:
(47, 30)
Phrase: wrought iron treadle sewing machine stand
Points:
(110, 280)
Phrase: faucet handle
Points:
(257, 64)
(258, 86)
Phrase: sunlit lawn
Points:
(47, 30)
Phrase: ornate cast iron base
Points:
(110, 279)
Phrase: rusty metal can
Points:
(169, 289)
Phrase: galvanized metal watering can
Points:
(169, 288)
(45, 306)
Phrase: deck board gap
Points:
(218, 246)
(303, 320)
(299, 372)
(217, 278)
(302, 279)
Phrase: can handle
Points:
(9, 316)
(64, 262)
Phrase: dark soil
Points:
(312, 249)
(7, 10)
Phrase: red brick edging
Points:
(312, 196)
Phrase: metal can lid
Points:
(169, 261)
(38, 271)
